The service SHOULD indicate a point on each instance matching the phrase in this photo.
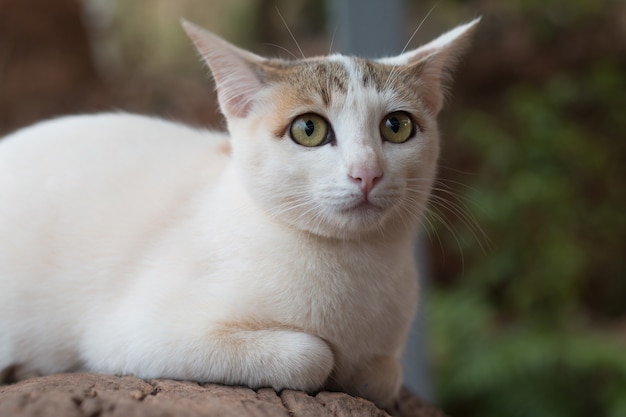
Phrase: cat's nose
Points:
(366, 177)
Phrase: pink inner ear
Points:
(237, 84)
(238, 106)
(432, 75)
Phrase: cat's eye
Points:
(310, 130)
(397, 127)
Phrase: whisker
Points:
(457, 196)
(438, 216)
(461, 198)
(332, 41)
(443, 181)
(443, 199)
(467, 220)
(456, 170)
(432, 227)
(453, 202)
(418, 28)
(395, 71)
(393, 74)
(281, 48)
(310, 216)
(290, 33)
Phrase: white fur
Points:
(133, 245)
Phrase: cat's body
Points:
(132, 245)
(168, 247)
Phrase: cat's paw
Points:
(303, 361)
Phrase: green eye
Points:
(396, 127)
(309, 130)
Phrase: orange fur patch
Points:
(224, 148)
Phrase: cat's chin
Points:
(353, 221)
(363, 218)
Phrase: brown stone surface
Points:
(91, 395)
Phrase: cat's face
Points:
(337, 146)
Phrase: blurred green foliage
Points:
(551, 193)
(526, 368)
(531, 327)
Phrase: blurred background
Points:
(525, 313)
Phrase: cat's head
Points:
(339, 146)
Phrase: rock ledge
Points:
(92, 395)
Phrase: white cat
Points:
(280, 255)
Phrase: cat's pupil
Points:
(310, 128)
(394, 124)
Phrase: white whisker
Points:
(332, 41)
(418, 28)
(434, 230)
(440, 218)
(290, 33)
(282, 48)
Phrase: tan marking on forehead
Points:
(325, 77)
(403, 81)
(382, 77)
(307, 84)
(308, 78)
(315, 84)
(372, 74)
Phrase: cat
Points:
(277, 255)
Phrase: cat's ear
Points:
(434, 63)
(236, 72)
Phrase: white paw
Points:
(302, 362)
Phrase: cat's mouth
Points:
(362, 206)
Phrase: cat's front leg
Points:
(231, 355)
(275, 358)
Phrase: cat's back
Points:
(106, 152)
(107, 142)
(99, 183)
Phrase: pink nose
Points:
(366, 177)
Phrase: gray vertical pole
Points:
(367, 28)
(417, 375)
(374, 28)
